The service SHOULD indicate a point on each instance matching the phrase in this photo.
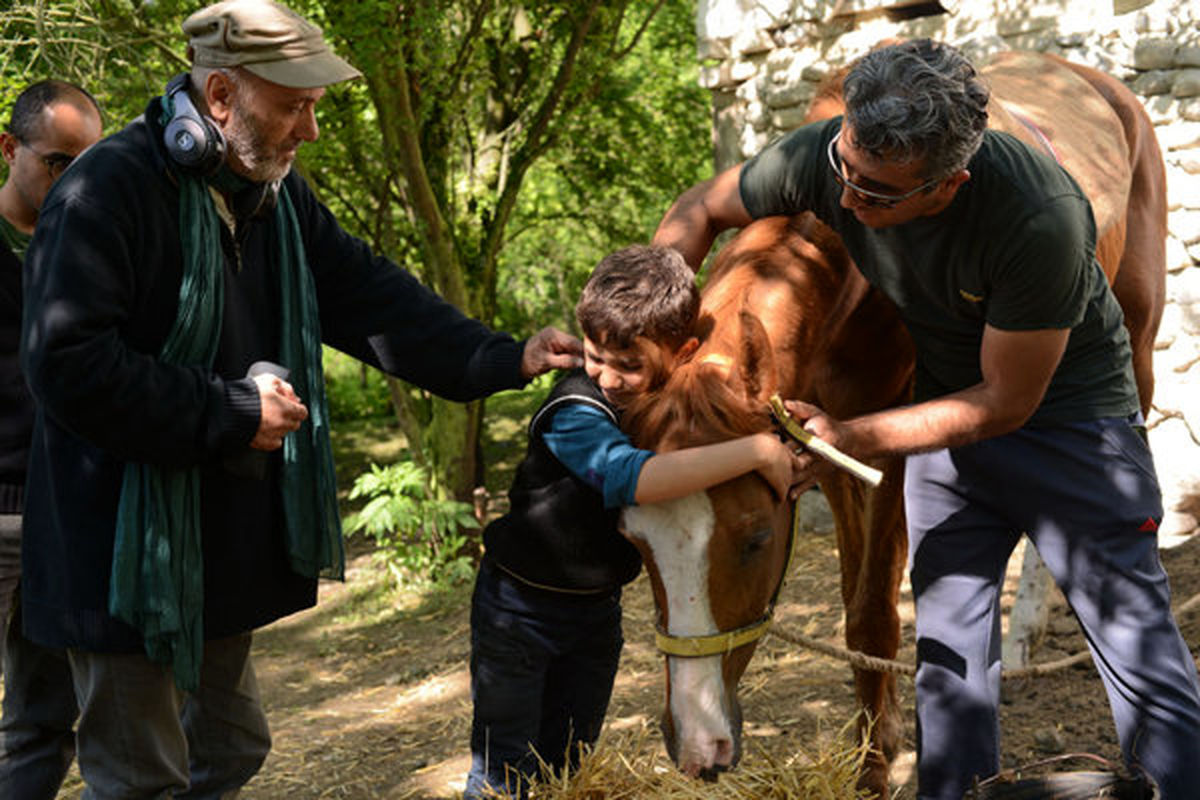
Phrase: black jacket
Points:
(102, 280)
(557, 533)
(16, 404)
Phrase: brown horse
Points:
(786, 311)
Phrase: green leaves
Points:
(497, 149)
(422, 538)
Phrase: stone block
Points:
(742, 70)
(1186, 84)
(777, 97)
(1189, 109)
(1070, 40)
(728, 123)
(752, 141)
(980, 49)
(1154, 53)
(1173, 388)
(1178, 135)
(814, 74)
(797, 35)
(1188, 55)
(786, 119)
(1176, 460)
(1162, 109)
(713, 76)
(758, 118)
(726, 19)
(749, 91)
(1183, 189)
(712, 49)
(780, 60)
(1020, 24)
(1177, 255)
(1154, 82)
(1184, 291)
(1155, 19)
(1168, 329)
(751, 42)
(1125, 6)
(1184, 225)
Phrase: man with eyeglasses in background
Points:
(1025, 412)
(52, 122)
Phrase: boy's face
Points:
(621, 374)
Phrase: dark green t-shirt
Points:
(1015, 250)
(16, 240)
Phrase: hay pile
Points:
(609, 772)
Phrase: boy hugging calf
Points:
(546, 613)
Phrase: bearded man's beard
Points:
(245, 140)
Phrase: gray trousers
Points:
(37, 737)
(10, 567)
(1087, 496)
(140, 736)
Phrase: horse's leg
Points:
(872, 551)
(1141, 272)
(1140, 285)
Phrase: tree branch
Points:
(526, 154)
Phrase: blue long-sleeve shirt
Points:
(597, 452)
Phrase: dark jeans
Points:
(1087, 497)
(542, 670)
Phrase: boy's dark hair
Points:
(26, 121)
(640, 292)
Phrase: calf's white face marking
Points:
(678, 533)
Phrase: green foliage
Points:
(354, 390)
(498, 149)
(422, 538)
(611, 175)
(122, 52)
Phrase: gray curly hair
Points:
(917, 101)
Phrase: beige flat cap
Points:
(270, 40)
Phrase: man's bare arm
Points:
(1017, 367)
(700, 213)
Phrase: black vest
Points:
(557, 533)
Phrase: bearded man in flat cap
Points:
(181, 490)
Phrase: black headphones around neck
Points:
(193, 140)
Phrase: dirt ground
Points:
(368, 694)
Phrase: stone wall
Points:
(763, 59)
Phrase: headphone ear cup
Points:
(192, 141)
(189, 144)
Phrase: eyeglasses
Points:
(55, 163)
(868, 197)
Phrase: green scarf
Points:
(157, 579)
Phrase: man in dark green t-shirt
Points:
(1025, 398)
